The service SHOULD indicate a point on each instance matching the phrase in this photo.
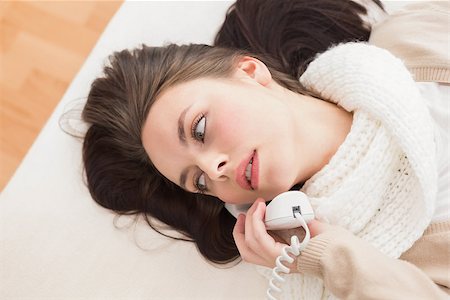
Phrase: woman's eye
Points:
(199, 129)
(200, 184)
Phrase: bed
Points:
(57, 243)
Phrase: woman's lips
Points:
(255, 169)
(241, 179)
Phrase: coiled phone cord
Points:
(295, 248)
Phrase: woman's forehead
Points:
(196, 86)
(159, 137)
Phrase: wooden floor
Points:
(43, 45)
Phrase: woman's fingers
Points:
(239, 233)
(255, 244)
(316, 227)
(252, 239)
(249, 230)
(262, 238)
(248, 220)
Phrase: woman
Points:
(417, 35)
(158, 143)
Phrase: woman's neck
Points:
(322, 126)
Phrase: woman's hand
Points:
(259, 247)
(254, 243)
(317, 227)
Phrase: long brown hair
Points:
(120, 175)
(294, 31)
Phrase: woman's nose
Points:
(215, 167)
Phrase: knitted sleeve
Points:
(353, 269)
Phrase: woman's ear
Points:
(255, 69)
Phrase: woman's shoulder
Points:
(437, 235)
(418, 34)
(437, 228)
(430, 253)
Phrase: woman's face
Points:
(233, 138)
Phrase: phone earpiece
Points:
(284, 211)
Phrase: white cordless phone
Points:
(286, 211)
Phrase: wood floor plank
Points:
(43, 44)
(80, 11)
(4, 7)
(8, 34)
(34, 52)
(53, 29)
(102, 16)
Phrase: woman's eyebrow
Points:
(181, 133)
(182, 139)
(183, 178)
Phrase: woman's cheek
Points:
(235, 198)
(230, 130)
(228, 192)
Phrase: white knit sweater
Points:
(381, 184)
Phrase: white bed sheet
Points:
(56, 243)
